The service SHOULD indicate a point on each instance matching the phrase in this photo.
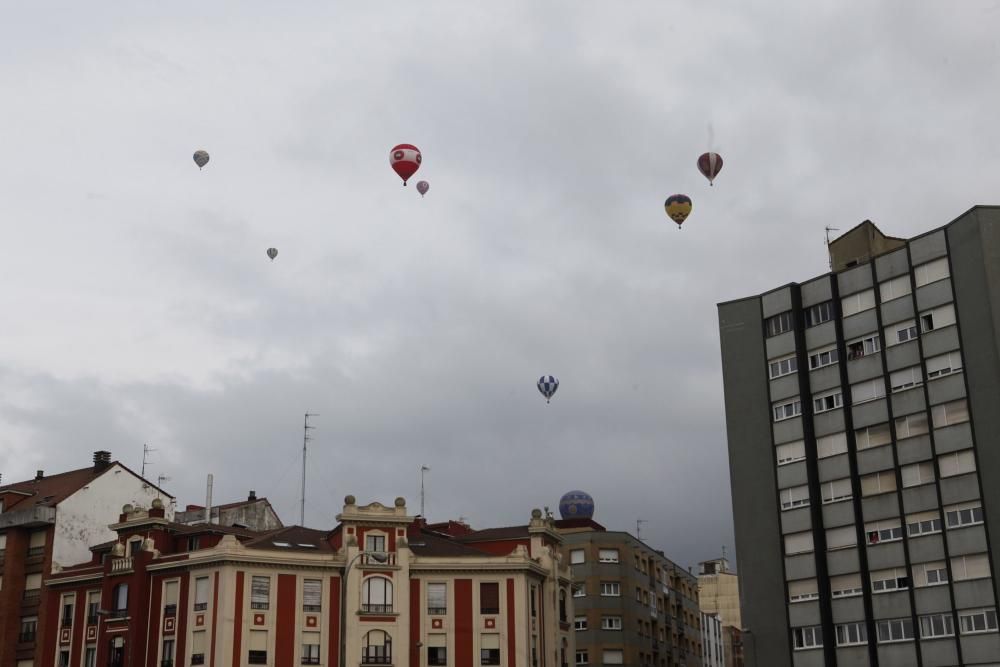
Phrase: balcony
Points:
(376, 609)
(92, 619)
(202, 606)
(36, 552)
(199, 658)
(39, 515)
(117, 614)
(170, 610)
(66, 622)
(368, 560)
(377, 660)
(121, 565)
(32, 595)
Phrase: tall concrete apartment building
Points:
(863, 417)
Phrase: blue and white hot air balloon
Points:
(548, 384)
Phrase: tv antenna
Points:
(423, 469)
(638, 528)
(146, 451)
(305, 441)
(160, 479)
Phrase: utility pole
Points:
(638, 528)
(305, 441)
(423, 469)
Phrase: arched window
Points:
(376, 595)
(376, 648)
(562, 605)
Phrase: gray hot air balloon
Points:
(423, 187)
(201, 158)
(272, 253)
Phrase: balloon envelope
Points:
(201, 158)
(678, 207)
(272, 253)
(405, 159)
(547, 385)
(423, 187)
(710, 164)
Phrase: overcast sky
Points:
(139, 306)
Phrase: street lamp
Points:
(377, 556)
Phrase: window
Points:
(947, 414)
(93, 604)
(901, 332)
(778, 324)
(63, 658)
(437, 599)
(376, 595)
(312, 595)
(930, 574)
(856, 303)
(608, 555)
(201, 593)
(830, 400)
(790, 452)
(957, 463)
(966, 514)
(931, 271)
(67, 612)
(821, 312)
(873, 436)
(846, 585)
(976, 566)
(562, 605)
(944, 364)
(193, 544)
(581, 658)
(786, 410)
(489, 649)
(798, 543)
(867, 390)
(90, 657)
(810, 637)
(837, 490)
(579, 590)
(911, 425)
(923, 523)
(310, 648)
(612, 656)
(864, 346)
(29, 626)
(580, 623)
(851, 634)
(937, 318)
(611, 589)
(796, 496)
(258, 644)
(936, 625)
(824, 357)
(489, 598)
(783, 366)
(886, 530)
(981, 620)
(893, 579)
(916, 474)
(841, 538)
(802, 590)
(879, 482)
(168, 653)
(375, 543)
(120, 597)
(611, 622)
(896, 630)
(576, 556)
(894, 288)
(831, 445)
(906, 378)
(376, 649)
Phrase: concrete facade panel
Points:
(901, 356)
(884, 556)
(860, 325)
(824, 378)
(939, 652)
(909, 401)
(902, 653)
(855, 280)
(912, 450)
(816, 291)
(928, 247)
(784, 387)
(834, 467)
(793, 474)
(800, 566)
(875, 459)
(891, 605)
(802, 614)
(926, 548)
(819, 336)
(849, 609)
(940, 341)
(872, 412)
(852, 656)
(982, 649)
(932, 599)
(891, 265)
(967, 540)
(920, 499)
(828, 422)
(953, 438)
(808, 658)
(787, 430)
(882, 506)
(796, 521)
(843, 561)
(947, 388)
(973, 594)
(934, 294)
(838, 514)
(865, 368)
(897, 310)
(959, 489)
(778, 346)
(776, 302)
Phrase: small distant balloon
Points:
(710, 164)
(272, 253)
(678, 207)
(547, 385)
(405, 159)
(423, 187)
(201, 158)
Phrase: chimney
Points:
(39, 475)
(102, 460)
(252, 496)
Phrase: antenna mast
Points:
(305, 440)
(423, 469)
(638, 528)
(146, 451)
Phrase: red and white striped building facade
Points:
(166, 594)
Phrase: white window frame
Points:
(936, 625)
(802, 590)
(931, 272)
(869, 345)
(923, 523)
(785, 321)
(827, 401)
(803, 534)
(937, 318)
(944, 364)
(817, 314)
(611, 589)
(902, 332)
(579, 623)
(877, 385)
(611, 622)
(790, 452)
(582, 657)
(794, 409)
(989, 617)
(906, 378)
(844, 632)
(886, 530)
(895, 629)
(854, 590)
(922, 574)
(604, 557)
(822, 357)
(808, 637)
(890, 580)
(827, 491)
(577, 556)
(972, 510)
(782, 366)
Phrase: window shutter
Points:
(258, 640)
(312, 593)
(260, 590)
(489, 597)
(437, 596)
(201, 590)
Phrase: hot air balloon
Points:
(423, 187)
(710, 164)
(678, 207)
(272, 253)
(548, 384)
(405, 160)
(201, 158)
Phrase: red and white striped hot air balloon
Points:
(405, 160)
(710, 164)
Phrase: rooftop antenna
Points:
(146, 451)
(828, 230)
(423, 469)
(305, 440)
(638, 528)
(160, 479)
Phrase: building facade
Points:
(253, 513)
(46, 523)
(166, 594)
(719, 596)
(861, 411)
(713, 650)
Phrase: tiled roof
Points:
(506, 533)
(294, 538)
(432, 544)
(53, 489)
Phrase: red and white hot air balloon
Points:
(710, 164)
(405, 160)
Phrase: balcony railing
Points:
(121, 565)
(92, 619)
(118, 613)
(170, 610)
(202, 606)
(376, 659)
(32, 594)
(197, 658)
(26, 637)
(376, 608)
(36, 552)
(369, 560)
(66, 621)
